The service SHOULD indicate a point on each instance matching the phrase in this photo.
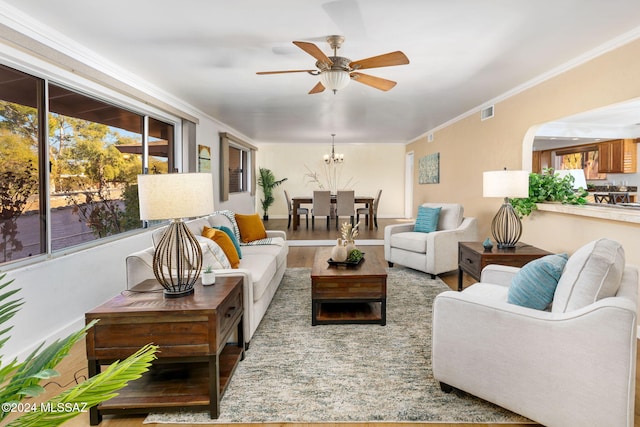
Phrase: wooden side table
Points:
(472, 257)
(195, 362)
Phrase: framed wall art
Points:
(429, 169)
(204, 158)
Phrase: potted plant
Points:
(549, 187)
(208, 276)
(22, 379)
(267, 181)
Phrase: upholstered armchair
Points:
(572, 364)
(432, 252)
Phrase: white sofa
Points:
(261, 267)
(435, 252)
(570, 365)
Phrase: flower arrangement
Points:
(330, 180)
(348, 232)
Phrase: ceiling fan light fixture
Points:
(335, 79)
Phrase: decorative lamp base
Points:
(177, 260)
(178, 294)
(506, 226)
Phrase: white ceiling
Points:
(463, 53)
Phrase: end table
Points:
(195, 362)
(472, 257)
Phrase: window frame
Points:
(100, 93)
(249, 176)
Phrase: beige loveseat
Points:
(262, 265)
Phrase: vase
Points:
(339, 252)
(350, 245)
(487, 244)
(208, 278)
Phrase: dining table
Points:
(296, 201)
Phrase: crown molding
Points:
(600, 50)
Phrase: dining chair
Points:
(301, 211)
(602, 198)
(321, 206)
(619, 198)
(345, 205)
(365, 211)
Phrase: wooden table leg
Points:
(370, 216)
(296, 217)
(95, 417)
(214, 386)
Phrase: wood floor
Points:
(74, 366)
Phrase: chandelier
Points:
(333, 158)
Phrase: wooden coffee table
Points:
(195, 362)
(352, 294)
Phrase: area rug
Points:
(295, 372)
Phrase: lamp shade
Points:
(335, 79)
(505, 183)
(175, 195)
(579, 180)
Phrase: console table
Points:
(472, 257)
(195, 361)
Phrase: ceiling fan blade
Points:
(376, 82)
(386, 60)
(314, 51)
(286, 71)
(317, 89)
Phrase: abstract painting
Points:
(429, 169)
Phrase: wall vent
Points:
(486, 113)
(430, 137)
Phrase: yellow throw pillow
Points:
(251, 227)
(223, 240)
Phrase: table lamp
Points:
(506, 226)
(177, 260)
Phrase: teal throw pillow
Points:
(535, 284)
(233, 238)
(427, 220)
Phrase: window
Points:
(579, 157)
(237, 171)
(160, 146)
(92, 150)
(20, 166)
(237, 163)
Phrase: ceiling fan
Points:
(336, 71)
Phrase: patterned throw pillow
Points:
(535, 283)
(224, 241)
(213, 255)
(427, 220)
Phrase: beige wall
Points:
(369, 166)
(470, 146)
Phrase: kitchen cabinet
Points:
(541, 160)
(617, 156)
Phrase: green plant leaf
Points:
(267, 181)
(91, 392)
(548, 187)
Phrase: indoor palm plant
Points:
(549, 187)
(22, 379)
(267, 181)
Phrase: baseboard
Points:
(363, 242)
